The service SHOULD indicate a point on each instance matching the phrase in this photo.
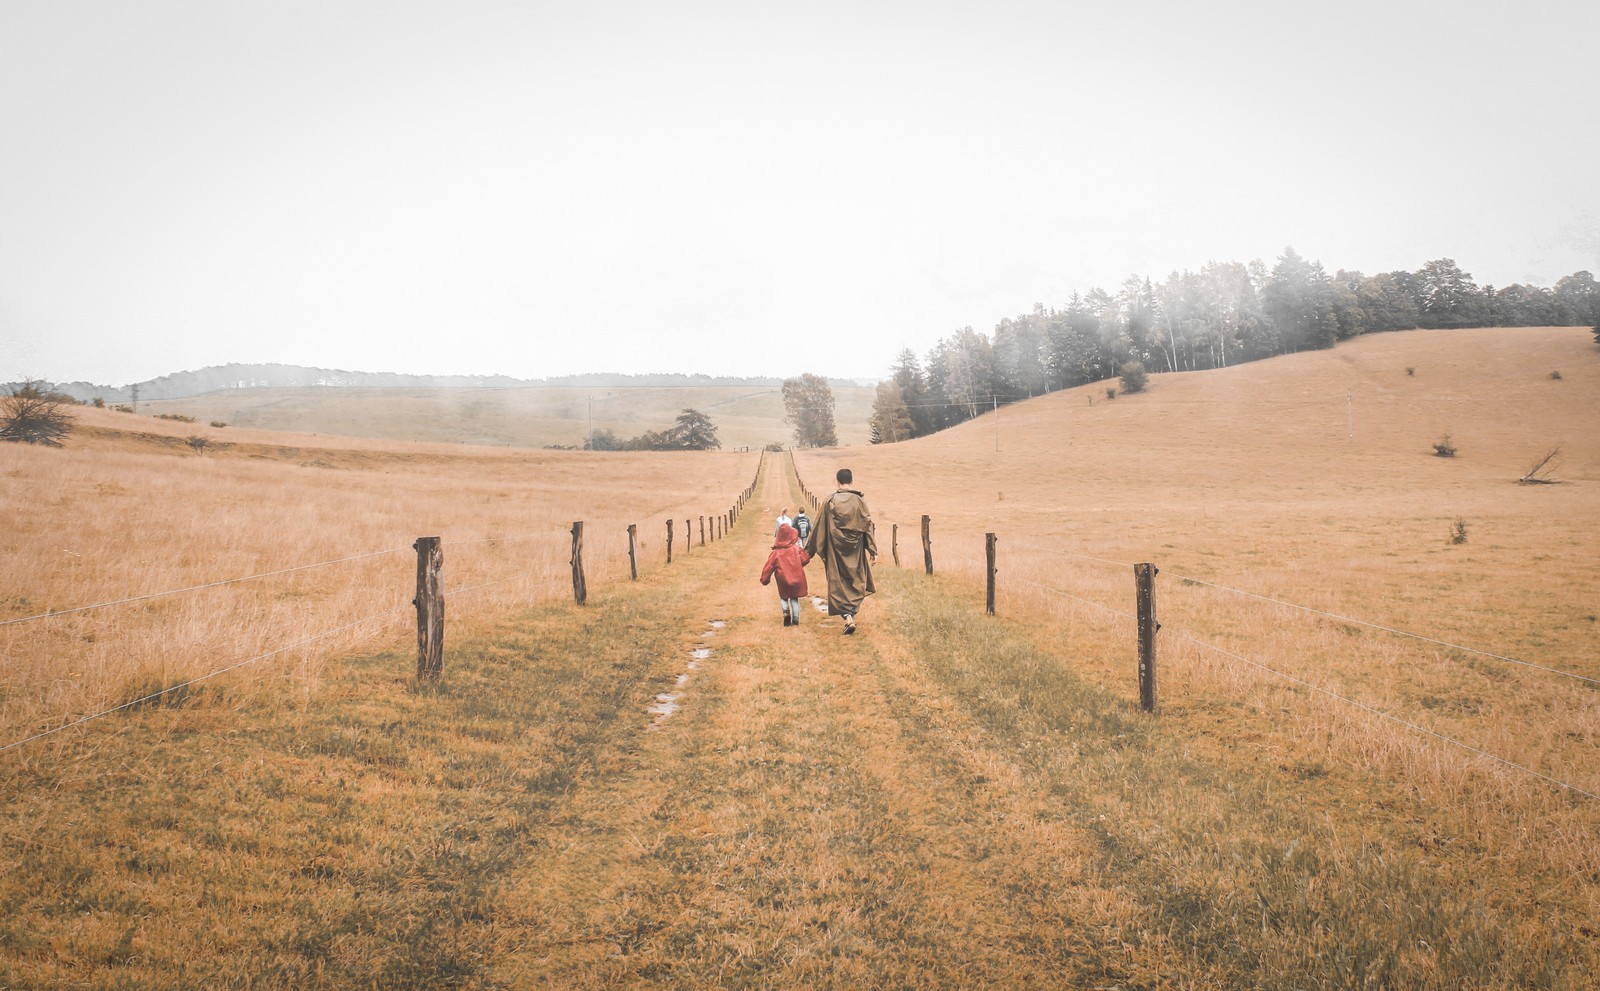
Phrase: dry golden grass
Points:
(745, 416)
(1311, 480)
(942, 800)
(126, 518)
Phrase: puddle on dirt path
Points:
(666, 703)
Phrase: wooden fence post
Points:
(580, 591)
(927, 547)
(1145, 584)
(430, 609)
(702, 531)
(988, 541)
(669, 541)
(688, 534)
(633, 550)
(894, 543)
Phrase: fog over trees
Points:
(1225, 313)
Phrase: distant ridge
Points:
(218, 378)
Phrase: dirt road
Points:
(803, 810)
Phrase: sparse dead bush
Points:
(1111, 392)
(1458, 531)
(1445, 447)
(198, 443)
(31, 414)
(1556, 375)
(1541, 471)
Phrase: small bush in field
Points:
(1133, 377)
(1458, 531)
(1444, 448)
(1111, 392)
(218, 424)
(1556, 375)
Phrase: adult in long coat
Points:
(843, 538)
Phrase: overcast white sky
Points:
(746, 187)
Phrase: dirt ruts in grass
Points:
(799, 824)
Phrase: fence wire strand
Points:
(204, 677)
(52, 613)
(1075, 598)
(1389, 629)
(1384, 715)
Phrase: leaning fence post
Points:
(669, 541)
(633, 550)
(988, 540)
(580, 591)
(927, 547)
(430, 608)
(894, 543)
(1145, 583)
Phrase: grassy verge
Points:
(1245, 878)
(361, 841)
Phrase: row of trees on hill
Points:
(1224, 314)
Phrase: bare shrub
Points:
(1444, 447)
(31, 414)
(1458, 531)
(1541, 471)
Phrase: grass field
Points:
(1374, 762)
(746, 417)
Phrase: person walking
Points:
(843, 538)
(782, 521)
(802, 524)
(787, 563)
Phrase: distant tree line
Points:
(1224, 314)
(692, 431)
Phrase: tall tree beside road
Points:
(808, 405)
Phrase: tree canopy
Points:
(808, 406)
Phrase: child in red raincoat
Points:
(788, 562)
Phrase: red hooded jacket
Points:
(788, 562)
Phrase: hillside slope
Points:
(745, 416)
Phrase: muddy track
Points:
(802, 809)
